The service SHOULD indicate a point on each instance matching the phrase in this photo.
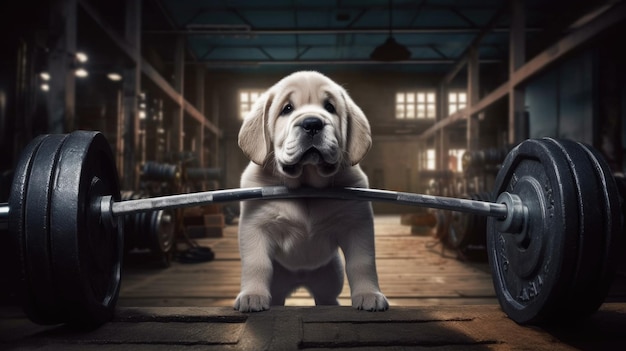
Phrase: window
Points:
(415, 105)
(457, 100)
(427, 159)
(246, 100)
(455, 159)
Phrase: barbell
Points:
(551, 235)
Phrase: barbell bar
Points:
(126, 207)
(118, 208)
(551, 233)
(508, 209)
(110, 209)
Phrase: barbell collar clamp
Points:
(4, 212)
(106, 211)
(517, 214)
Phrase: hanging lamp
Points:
(390, 50)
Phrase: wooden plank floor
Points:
(413, 271)
(438, 303)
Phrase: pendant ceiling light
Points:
(390, 50)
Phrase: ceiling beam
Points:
(172, 23)
(572, 41)
(148, 71)
(462, 61)
(313, 6)
(418, 11)
(243, 30)
(236, 63)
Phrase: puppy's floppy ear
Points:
(358, 133)
(254, 138)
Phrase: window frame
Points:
(455, 106)
(428, 159)
(245, 106)
(458, 153)
(416, 105)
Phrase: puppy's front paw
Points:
(375, 301)
(252, 302)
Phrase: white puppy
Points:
(305, 131)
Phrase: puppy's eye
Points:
(286, 110)
(329, 107)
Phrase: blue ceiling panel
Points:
(318, 39)
(281, 53)
(268, 18)
(221, 54)
(245, 40)
(345, 32)
(217, 17)
(493, 52)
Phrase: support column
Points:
(472, 98)
(215, 107)
(62, 36)
(132, 89)
(178, 128)
(518, 123)
(119, 131)
(200, 72)
(441, 138)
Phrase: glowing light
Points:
(81, 57)
(81, 73)
(116, 77)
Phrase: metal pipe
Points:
(240, 31)
(282, 192)
(235, 63)
(111, 208)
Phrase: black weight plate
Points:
(46, 307)
(620, 180)
(532, 271)
(162, 231)
(14, 254)
(480, 225)
(582, 297)
(614, 220)
(135, 235)
(473, 227)
(86, 254)
(459, 229)
(6, 179)
(474, 245)
(142, 230)
(128, 222)
(606, 231)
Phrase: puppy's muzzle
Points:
(311, 149)
(312, 125)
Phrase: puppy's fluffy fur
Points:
(306, 131)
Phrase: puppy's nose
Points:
(312, 125)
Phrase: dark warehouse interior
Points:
(503, 121)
